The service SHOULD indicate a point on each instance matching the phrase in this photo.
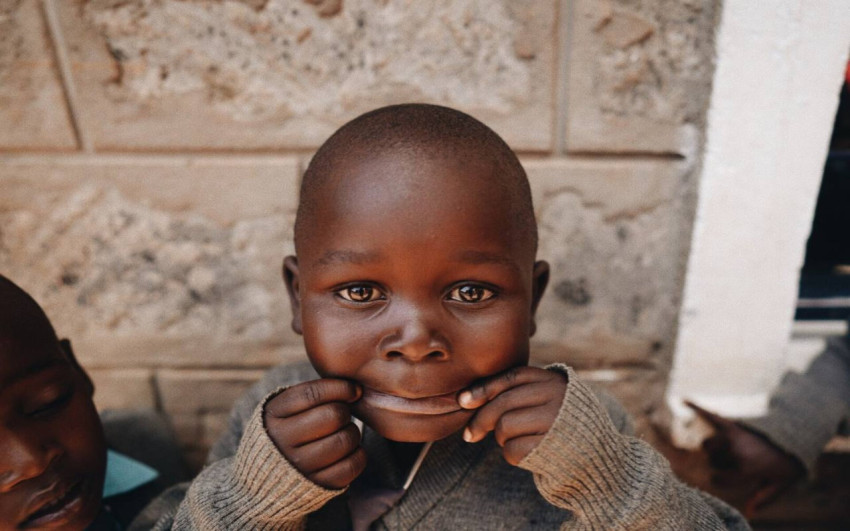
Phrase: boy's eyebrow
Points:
(348, 256)
(483, 257)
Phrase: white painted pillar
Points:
(780, 66)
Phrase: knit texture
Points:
(609, 481)
(584, 474)
(808, 409)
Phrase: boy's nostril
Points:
(394, 354)
(437, 354)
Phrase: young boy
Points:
(55, 469)
(415, 286)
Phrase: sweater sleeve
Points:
(242, 411)
(613, 481)
(808, 409)
(255, 489)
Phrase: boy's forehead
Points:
(402, 181)
(409, 176)
(410, 195)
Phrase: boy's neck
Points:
(404, 453)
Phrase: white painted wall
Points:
(780, 66)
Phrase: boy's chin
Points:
(415, 428)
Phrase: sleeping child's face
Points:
(52, 451)
(413, 280)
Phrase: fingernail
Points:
(467, 435)
(465, 399)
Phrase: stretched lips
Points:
(432, 405)
(56, 506)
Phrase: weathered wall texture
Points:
(150, 154)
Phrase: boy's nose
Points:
(415, 339)
(22, 458)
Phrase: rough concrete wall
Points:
(155, 241)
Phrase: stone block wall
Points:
(150, 153)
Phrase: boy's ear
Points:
(540, 279)
(290, 278)
(65, 345)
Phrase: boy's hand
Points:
(518, 405)
(310, 423)
(744, 458)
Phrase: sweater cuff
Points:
(584, 465)
(257, 489)
(801, 419)
(265, 474)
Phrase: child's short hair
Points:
(424, 130)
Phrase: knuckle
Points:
(517, 449)
(325, 480)
(336, 414)
(350, 471)
(345, 440)
(277, 405)
(503, 425)
(311, 394)
(501, 436)
(510, 454)
(278, 434)
(357, 462)
(295, 457)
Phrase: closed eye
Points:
(52, 406)
(471, 293)
(360, 293)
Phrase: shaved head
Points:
(21, 318)
(421, 132)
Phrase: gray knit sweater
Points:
(808, 409)
(585, 474)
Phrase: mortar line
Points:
(61, 54)
(564, 15)
(108, 158)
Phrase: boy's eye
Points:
(360, 293)
(471, 293)
(51, 405)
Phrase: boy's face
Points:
(52, 451)
(412, 281)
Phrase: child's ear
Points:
(540, 279)
(290, 278)
(65, 345)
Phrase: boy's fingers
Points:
(308, 395)
(520, 422)
(322, 453)
(488, 416)
(481, 393)
(341, 473)
(310, 425)
(712, 418)
(517, 448)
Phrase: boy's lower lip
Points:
(431, 405)
(67, 505)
